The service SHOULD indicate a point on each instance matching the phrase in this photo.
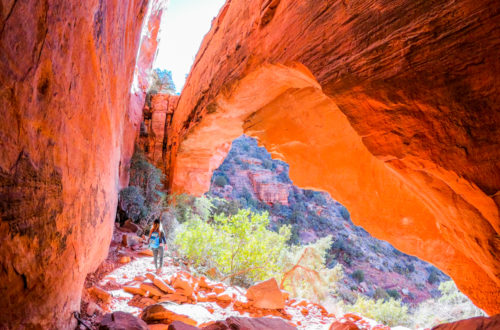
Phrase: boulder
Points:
(134, 290)
(169, 312)
(125, 260)
(100, 294)
(152, 289)
(122, 321)
(146, 252)
(177, 325)
(266, 294)
(130, 227)
(260, 323)
(475, 323)
(183, 284)
(343, 325)
(162, 285)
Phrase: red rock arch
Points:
(391, 117)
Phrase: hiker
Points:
(156, 242)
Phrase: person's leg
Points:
(160, 251)
(155, 256)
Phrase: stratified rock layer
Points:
(391, 107)
(67, 129)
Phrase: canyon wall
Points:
(68, 125)
(390, 106)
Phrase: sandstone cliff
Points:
(68, 125)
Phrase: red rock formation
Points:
(68, 120)
(268, 191)
(475, 323)
(391, 107)
(157, 121)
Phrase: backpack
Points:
(154, 242)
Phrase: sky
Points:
(183, 27)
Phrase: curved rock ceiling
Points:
(391, 107)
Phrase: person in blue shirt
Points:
(156, 242)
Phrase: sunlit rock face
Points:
(391, 107)
(67, 126)
(157, 119)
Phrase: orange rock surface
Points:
(391, 107)
(157, 120)
(68, 126)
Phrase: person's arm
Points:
(163, 238)
(149, 237)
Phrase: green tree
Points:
(143, 200)
(306, 275)
(239, 246)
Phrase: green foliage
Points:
(393, 293)
(380, 293)
(182, 205)
(220, 181)
(344, 213)
(143, 201)
(433, 277)
(267, 163)
(132, 202)
(226, 206)
(307, 276)
(358, 275)
(451, 306)
(234, 244)
(391, 312)
(161, 82)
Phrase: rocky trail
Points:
(125, 292)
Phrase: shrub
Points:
(358, 275)
(161, 82)
(391, 312)
(145, 181)
(393, 293)
(433, 277)
(220, 181)
(267, 164)
(306, 275)
(183, 206)
(344, 213)
(380, 293)
(227, 207)
(451, 306)
(410, 267)
(239, 246)
(132, 202)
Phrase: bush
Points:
(306, 275)
(220, 181)
(132, 202)
(161, 82)
(391, 312)
(380, 293)
(344, 213)
(433, 277)
(183, 206)
(240, 246)
(267, 164)
(358, 275)
(143, 201)
(451, 306)
(393, 293)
